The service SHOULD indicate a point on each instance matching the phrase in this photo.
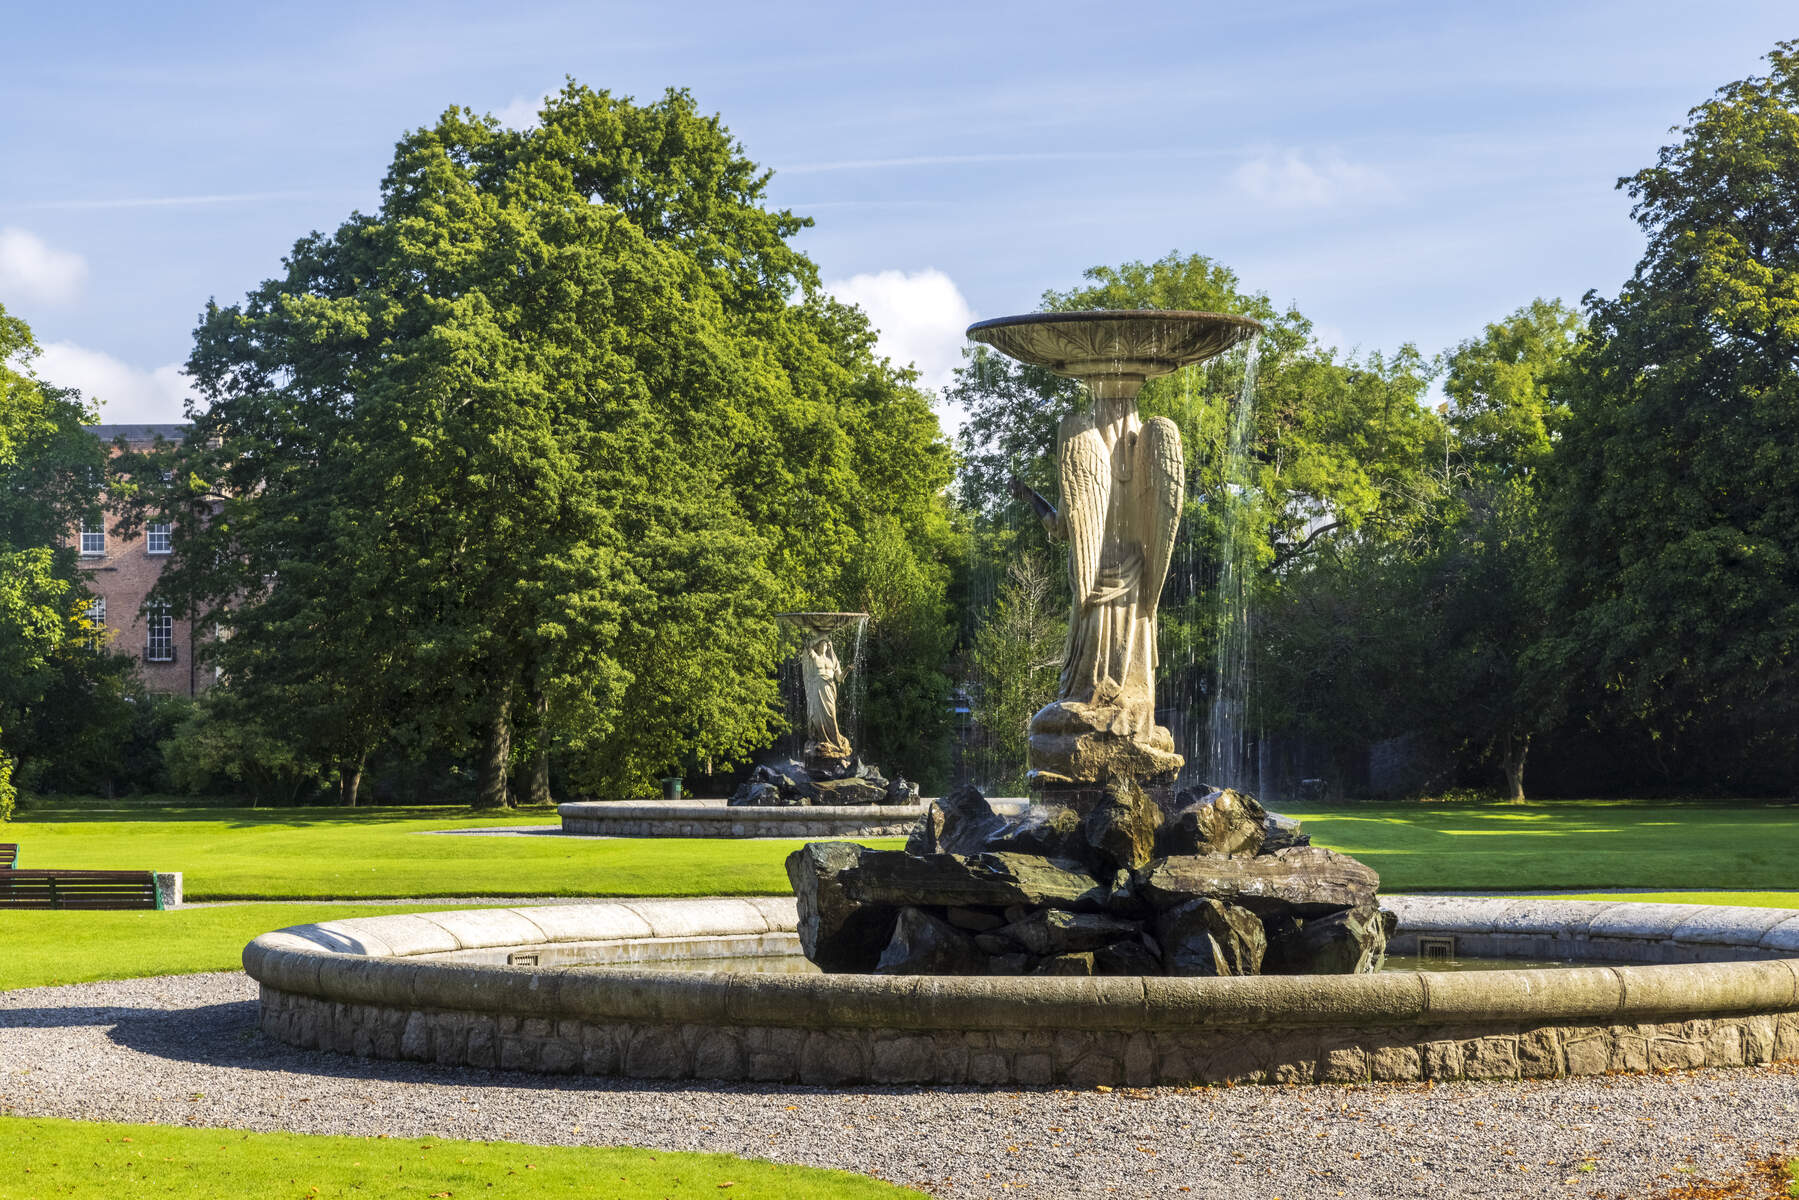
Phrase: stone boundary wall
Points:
(623, 819)
(370, 986)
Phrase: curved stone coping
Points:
(1766, 931)
(624, 810)
(384, 961)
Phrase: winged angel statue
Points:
(1122, 482)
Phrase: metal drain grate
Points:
(1442, 948)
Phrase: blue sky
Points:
(1401, 171)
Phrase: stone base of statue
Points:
(1216, 886)
(1083, 743)
(788, 784)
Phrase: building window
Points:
(96, 616)
(156, 537)
(93, 539)
(160, 646)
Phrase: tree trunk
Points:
(537, 790)
(1515, 750)
(497, 754)
(349, 782)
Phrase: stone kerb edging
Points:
(616, 818)
(367, 986)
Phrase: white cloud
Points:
(1286, 179)
(919, 317)
(34, 271)
(126, 394)
(522, 112)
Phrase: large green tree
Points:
(1677, 517)
(1508, 403)
(538, 446)
(50, 471)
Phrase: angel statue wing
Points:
(1086, 494)
(1163, 481)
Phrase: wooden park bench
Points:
(20, 888)
(70, 889)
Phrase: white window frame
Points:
(159, 634)
(93, 541)
(157, 538)
(96, 616)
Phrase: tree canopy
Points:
(1677, 506)
(538, 448)
(50, 471)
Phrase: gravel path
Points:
(185, 1050)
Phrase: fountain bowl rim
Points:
(1198, 336)
(1075, 316)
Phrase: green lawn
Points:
(42, 949)
(339, 854)
(87, 1160)
(1597, 845)
(331, 854)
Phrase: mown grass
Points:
(46, 949)
(351, 854)
(84, 1160)
(332, 853)
(1588, 845)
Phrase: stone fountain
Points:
(1123, 481)
(1110, 872)
(829, 772)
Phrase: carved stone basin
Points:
(1131, 343)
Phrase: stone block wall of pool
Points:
(714, 818)
(577, 989)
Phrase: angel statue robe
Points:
(1122, 483)
(822, 673)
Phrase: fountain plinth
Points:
(1122, 483)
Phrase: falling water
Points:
(1228, 762)
(855, 683)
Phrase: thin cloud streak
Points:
(163, 201)
(950, 160)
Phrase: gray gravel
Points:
(185, 1050)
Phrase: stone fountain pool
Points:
(596, 989)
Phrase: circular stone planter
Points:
(523, 989)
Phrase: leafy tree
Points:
(1677, 514)
(1508, 404)
(539, 445)
(1017, 658)
(50, 470)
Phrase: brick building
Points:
(120, 573)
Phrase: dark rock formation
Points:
(1213, 821)
(1306, 881)
(1209, 937)
(789, 783)
(1282, 833)
(837, 931)
(1115, 887)
(1340, 943)
(923, 945)
(1121, 829)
